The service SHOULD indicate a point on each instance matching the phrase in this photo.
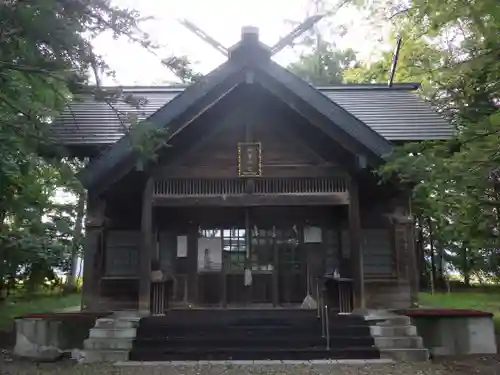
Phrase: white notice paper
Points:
(182, 248)
(312, 235)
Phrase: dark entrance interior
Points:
(256, 256)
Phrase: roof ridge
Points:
(409, 86)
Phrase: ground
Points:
(489, 365)
(475, 366)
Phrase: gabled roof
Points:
(396, 113)
(249, 58)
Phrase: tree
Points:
(320, 62)
(46, 55)
(452, 49)
(324, 65)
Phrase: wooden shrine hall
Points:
(261, 192)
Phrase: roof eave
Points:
(203, 94)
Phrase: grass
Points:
(16, 307)
(483, 301)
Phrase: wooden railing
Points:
(227, 187)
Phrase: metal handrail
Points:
(323, 315)
(317, 299)
(327, 324)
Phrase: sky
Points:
(223, 20)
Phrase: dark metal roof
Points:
(396, 113)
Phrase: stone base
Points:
(457, 335)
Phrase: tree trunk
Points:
(72, 278)
(441, 280)
(421, 263)
(433, 260)
(465, 266)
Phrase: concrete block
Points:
(405, 342)
(481, 334)
(108, 344)
(38, 339)
(125, 333)
(393, 331)
(405, 355)
(457, 335)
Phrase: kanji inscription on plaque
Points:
(249, 159)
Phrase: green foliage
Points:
(324, 65)
(452, 49)
(35, 304)
(45, 59)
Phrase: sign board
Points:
(312, 235)
(249, 159)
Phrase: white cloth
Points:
(248, 277)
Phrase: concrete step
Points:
(118, 333)
(105, 356)
(408, 355)
(394, 321)
(116, 323)
(404, 342)
(393, 331)
(108, 344)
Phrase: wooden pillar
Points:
(93, 253)
(276, 296)
(192, 261)
(404, 242)
(146, 249)
(356, 256)
(412, 255)
(248, 255)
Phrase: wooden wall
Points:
(385, 283)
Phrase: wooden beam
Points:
(254, 200)
(92, 252)
(146, 247)
(356, 256)
(269, 170)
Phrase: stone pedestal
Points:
(38, 339)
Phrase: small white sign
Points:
(312, 235)
(182, 248)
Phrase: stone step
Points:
(108, 343)
(125, 333)
(105, 356)
(393, 331)
(116, 323)
(409, 355)
(404, 342)
(400, 320)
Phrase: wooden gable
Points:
(216, 154)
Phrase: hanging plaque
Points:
(249, 159)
